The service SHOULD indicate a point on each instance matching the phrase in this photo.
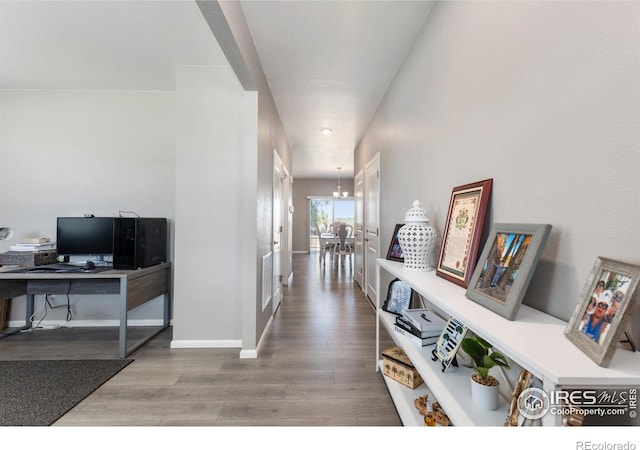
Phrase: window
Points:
(324, 211)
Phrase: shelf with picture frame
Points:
(527, 341)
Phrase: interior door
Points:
(371, 225)
(287, 249)
(358, 227)
(278, 180)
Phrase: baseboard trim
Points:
(250, 353)
(222, 343)
(88, 323)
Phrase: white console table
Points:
(534, 341)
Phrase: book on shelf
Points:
(424, 320)
(407, 325)
(417, 340)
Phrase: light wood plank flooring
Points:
(316, 368)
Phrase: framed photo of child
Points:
(606, 303)
(506, 266)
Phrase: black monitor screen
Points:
(84, 236)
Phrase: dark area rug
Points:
(37, 393)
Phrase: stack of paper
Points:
(34, 245)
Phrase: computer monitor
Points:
(84, 236)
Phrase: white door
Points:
(358, 226)
(287, 249)
(278, 180)
(371, 225)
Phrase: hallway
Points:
(316, 367)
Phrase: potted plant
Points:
(485, 388)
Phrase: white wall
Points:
(67, 153)
(544, 98)
(209, 195)
(269, 137)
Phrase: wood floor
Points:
(316, 368)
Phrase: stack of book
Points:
(421, 326)
(34, 245)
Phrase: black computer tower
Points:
(139, 242)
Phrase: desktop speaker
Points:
(139, 242)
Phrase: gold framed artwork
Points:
(463, 231)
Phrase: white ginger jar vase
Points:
(417, 239)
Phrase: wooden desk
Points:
(133, 287)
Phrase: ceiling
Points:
(328, 63)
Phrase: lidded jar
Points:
(417, 239)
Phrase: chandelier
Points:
(339, 193)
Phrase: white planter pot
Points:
(485, 397)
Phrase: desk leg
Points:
(27, 318)
(123, 318)
(29, 311)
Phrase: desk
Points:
(133, 287)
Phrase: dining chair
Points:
(342, 248)
(325, 245)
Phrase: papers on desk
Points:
(47, 246)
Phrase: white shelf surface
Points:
(534, 340)
(406, 409)
(451, 388)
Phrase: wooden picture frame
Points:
(515, 418)
(506, 266)
(395, 251)
(592, 329)
(463, 231)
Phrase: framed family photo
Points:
(395, 251)
(463, 231)
(506, 266)
(606, 303)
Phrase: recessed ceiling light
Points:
(326, 131)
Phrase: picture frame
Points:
(593, 330)
(449, 342)
(515, 418)
(506, 266)
(398, 298)
(463, 231)
(395, 250)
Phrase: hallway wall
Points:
(543, 98)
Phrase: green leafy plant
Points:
(484, 358)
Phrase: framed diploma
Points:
(463, 231)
